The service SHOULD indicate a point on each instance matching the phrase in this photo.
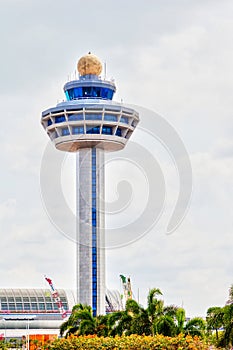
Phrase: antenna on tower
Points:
(105, 70)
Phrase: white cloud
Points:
(7, 208)
(172, 56)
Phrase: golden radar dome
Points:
(89, 64)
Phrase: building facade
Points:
(35, 311)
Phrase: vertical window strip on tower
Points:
(94, 244)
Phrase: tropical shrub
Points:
(132, 342)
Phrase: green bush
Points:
(133, 342)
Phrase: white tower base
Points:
(90, 229)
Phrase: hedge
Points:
(133, 342)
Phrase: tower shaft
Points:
(90, 229)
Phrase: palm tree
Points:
(228, 325)
(140, 323)
(214, 319)
(224, 316)
(170, 310)
(79, 313)
(180, 320)
(155, 319)
(195, 326)
(165, 325)
(137, 320)
(120, 322)
(132, 307)
(87, 323)
(154, 308)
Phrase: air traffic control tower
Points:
(90, 123)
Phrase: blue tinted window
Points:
(96, 91)
(49, 122)
(74, 93)
(118, 132)
(54, 134)
(78, 92)
(34, 306)
(67, 95)
(107, 130)
(41, 306)
(87, 91)
(94, 257)
(104, 93)
(70, 94)
(110, 117)
(12, 307)
(93, 130)
(93, 116)
(77, 130)
(110, 94)
(60, 119)
(65, 131)
(49, 306)
(26, 306)
(124, 120)
(19, 306)
(4, 306)
(74, 117)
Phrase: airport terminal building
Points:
(35, 311)
(31, 311)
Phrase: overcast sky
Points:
(174, 57)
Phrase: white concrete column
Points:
(90, 225)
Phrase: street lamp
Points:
(28, 330)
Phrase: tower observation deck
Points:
(90, 123)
